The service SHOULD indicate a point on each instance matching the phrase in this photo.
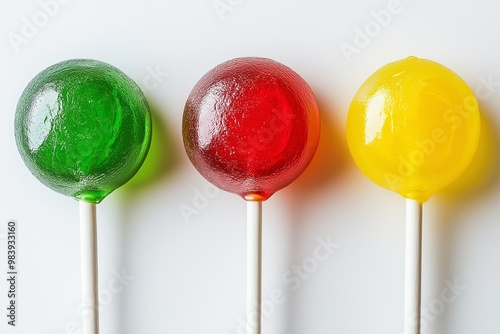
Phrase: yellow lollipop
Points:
(413, 128)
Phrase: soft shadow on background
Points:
(478, 181)
(330, 163)
(161, 162)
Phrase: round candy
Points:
(413, 127)
(83, 128)
(251, 126)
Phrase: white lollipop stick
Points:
(413, 265)
(88, 240)
(254, 266)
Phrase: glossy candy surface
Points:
(413, 127)
(83, 128)
(251, 126)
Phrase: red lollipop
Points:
(251, 127)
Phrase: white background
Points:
(187, 274)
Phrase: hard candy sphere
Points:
(83, 128)
(251, 126)
(413, 127)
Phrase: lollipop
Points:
(83, 129)
(413, 128)
(251, 127)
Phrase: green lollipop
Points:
(83, 128)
